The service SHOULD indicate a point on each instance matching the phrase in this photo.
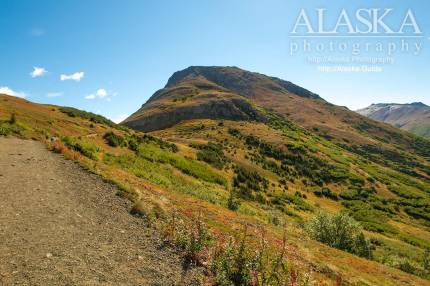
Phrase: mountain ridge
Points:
(413, 117)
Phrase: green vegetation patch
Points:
(212, 154)
(114, 140)
(87, 149)
(164, 176)
(186, 165)
(339, 231)
(159, 142)
(73, 112)
(371, 219)
(6, 128)
(249, 184)
(297, 161)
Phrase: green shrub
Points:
(193, 240)
(326, 192)
(296, 199)
(133, 143)
(85, 148)
(12, 119)
(357, 194)
(418, 213)
(248, 183)
(233, 203)
(406, 265)
(212, 154)
(234, 132)
(298, 162)
(339, 231)
(6, 128)
(114, 140)
(232, 265)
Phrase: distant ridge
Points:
(413, 117)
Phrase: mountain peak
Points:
(419, 104)
(218, 92)
(239, 81)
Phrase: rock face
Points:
(212, 93)
(233, 109)
(413, 117)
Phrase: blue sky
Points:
(127, 50)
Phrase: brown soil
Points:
(60, 225)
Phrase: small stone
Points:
(49, 255)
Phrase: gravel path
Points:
(60, 225)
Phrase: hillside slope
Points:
(267, 176)
(413, 117)
(315, 155)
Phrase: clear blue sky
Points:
(128, 49)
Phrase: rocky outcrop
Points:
(229, 109)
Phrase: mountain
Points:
(231, 93)
(256, 158)
(211, 92)
(315, 155)
(413, 117)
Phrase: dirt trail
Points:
(60, 225)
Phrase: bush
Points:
(339, 231)
(405, 265)
(193, 238)
(85, 148)
(233, 263)
(133, 144)
(212, 154)
(240, 262)
(7, 128)
(114, 140)
(233, 203)
(12, 119)
(326, 192)
(193, 241)
(234, 132)
(248, 183)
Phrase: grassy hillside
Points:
(269, 178)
